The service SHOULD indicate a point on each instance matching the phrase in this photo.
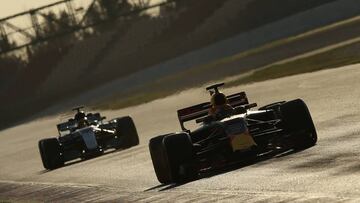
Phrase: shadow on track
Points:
(76, 161)
(228, 168)
(337, 164)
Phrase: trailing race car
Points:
(87, 136)
(230, 132)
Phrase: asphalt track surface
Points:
(327, 172)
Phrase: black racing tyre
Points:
(181, 157)
(50, 152)
(296, 120)
(126, 129)
(159, 159)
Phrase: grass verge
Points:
(140, 97)
(333, 58)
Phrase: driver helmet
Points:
(218, 99)
(80, 116)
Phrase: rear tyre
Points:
(126, 132)
(297, 121)
(50, 152)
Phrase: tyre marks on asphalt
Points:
(19, 192)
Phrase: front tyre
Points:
(173, 158)
(181, 157)
(297, 121)
(50, 152)
(159, 159)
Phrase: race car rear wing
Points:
(201, 110)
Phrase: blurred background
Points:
(110, 54)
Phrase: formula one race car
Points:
(87, 136)
(229, 135)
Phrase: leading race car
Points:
(229, 132)
(86, 136)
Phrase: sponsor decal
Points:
(240, 138)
